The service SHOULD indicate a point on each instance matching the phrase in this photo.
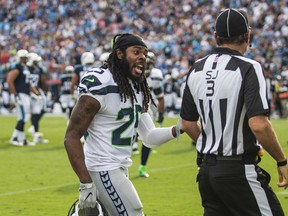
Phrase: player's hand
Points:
(18, 100)
(87, 195)
(36, 97)
(160, 117)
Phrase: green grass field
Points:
(38, 180)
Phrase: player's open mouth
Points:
(139, 69)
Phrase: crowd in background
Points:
(178, 32)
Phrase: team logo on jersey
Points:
(89, 80)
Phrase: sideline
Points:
(69, 184)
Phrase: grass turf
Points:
(38, 180)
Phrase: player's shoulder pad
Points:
(96, 78)
(18, 66)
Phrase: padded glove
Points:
(87, 195)
(36, 97)
(179, 131)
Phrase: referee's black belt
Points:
(247, 159)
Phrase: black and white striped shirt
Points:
(225, 89)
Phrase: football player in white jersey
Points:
(38, 96)
(154, 79)
(111, 108)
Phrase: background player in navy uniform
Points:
(38, 96)
(87, 61)
(112, 108)
(66, 99)
(227, 92)
(172, 92)
(154, 78)
(19, 85)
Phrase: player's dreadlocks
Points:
(122, 42)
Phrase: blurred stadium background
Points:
(178, 32)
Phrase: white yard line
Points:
(284, 192)
(68, 184)
(33, 189)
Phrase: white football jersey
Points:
(112, 131)
(155, 80)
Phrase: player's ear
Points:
(215, 35)
(119, 54)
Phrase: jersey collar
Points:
(221, 50)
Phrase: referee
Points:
(227, 92)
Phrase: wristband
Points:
(84, 186)
(282, 163)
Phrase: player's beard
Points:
(125, 69)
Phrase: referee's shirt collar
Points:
(221, 50)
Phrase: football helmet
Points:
(167, 77)
(33, 58)
(69, 69)
(104, 57)
(150, 60)
(22, 56)
(87, 58)
(175, 73)
(99, 210)
(22, 53)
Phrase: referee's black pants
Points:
(234, 188)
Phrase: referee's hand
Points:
(283, 176)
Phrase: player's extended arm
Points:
(155, 136)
